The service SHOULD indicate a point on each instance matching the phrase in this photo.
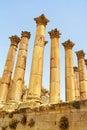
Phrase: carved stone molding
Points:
(41, 20)
(25, 34)
(54, 33)
(80, 54)
(68, 44)
(14, 40)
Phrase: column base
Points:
(13, 102)
(34, 98)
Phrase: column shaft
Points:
(76, 80)
(69, 72)
(54, 67)
(86, 63)
(86, 66)
(18, 79)
(6, 77)
(35, 83)
(82, 74)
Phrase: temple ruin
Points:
(33, 107)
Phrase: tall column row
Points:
(6, 77)
(75, 77)
(18, 79)
(82, 74)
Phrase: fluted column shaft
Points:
(35, 83)
(6, 77)
(76, 80)
(82, 74)
(69, 72)
(54, 67)
(18, 79)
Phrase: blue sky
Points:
(68, 16)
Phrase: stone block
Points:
(54, 75)
(6, 77)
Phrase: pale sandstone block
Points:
(54, 92)
(9, 66)
(6, 77)
(38, 52)
(40, 30)
(19, 74)
(37, 66)
(35, 84)
(21, 63)
(3, 92)
(83, 86)
(55, 75)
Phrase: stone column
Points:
(54, 67)
(69, 72)
(18, 79)
(82, 74)
(6, 77)
(35, 83)
(76, 80)
(86, 63)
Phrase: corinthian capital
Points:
(68, 44)
(14, 40)
(80, 54)
(41, 20)
(25, 34)
(54, 33)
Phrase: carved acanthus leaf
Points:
(80, 54)
(54, 33)
(68, 44)
(41, 20)
(14, 40)
(25, 34)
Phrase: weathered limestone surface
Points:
(6, 77)
(46, 117)
(82, 74)
(37, 60)
(69, 72)
(76, 80)
(18, 79)
(86, 63)
(54, 67)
